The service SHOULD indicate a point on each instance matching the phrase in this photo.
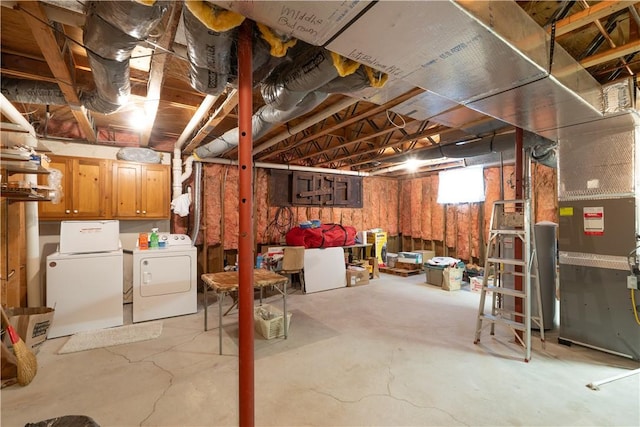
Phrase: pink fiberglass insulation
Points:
(405, 202)
(416, 208)
(357, 219)
(475, 232)
(452, 226)
(425, 219)
(313, 213)
(370, 203)
(347, 217)
(231, 209)
(260, 205)
(545, 195)
(437, 211)
(463, 223)
(212, 202)
(391, 203)
(300, 215)
(326, 215)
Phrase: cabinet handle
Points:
(138, 211)
(75, 211)
(67, 211)
(144, 212)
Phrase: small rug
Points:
(113, 336)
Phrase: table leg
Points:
(206, 304)
(284, 306)
(220, 296)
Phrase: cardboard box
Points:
(357, 277)
(475, 283)
(452, 278)
(32, 324)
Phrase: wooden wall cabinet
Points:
(140, 191)
(85, 190)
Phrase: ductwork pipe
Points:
(262, 121)
(111, 32)
(209, 54)
(321, 115)
(486, 145)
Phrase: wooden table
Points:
(227, 282)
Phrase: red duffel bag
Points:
(325, 236)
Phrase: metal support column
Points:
(245, 241)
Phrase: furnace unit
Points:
(598, 188)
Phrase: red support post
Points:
(519, 175)
(245, 241)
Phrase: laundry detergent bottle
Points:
(153, 239)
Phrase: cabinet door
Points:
(62, 209)
(155, 191)
(90, 196)
(126, 190)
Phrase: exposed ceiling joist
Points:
(37, 20)
(223, 111)
(156, 73)
(611, 54)
(587, 16)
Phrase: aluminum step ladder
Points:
(510, 226)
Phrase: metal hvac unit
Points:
(598, 176)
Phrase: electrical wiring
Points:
(631, 261)
(281, 223)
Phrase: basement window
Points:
(464, 185)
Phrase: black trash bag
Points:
(66, 421)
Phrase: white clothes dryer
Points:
(165, 279)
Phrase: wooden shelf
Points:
(22, 166)
(23, 197)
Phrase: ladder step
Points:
(509, 261)
(506, 291)
(516, 273)
(496, 319)
(507, 231)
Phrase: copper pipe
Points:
(245, 241)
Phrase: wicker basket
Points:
(268, 321)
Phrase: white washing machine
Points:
(165, 279)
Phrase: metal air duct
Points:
(111, 32)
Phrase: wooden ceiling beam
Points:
(223, 111)
(344, 123)
(159, 62)
(37, 20)
(611, 54)
(587, 16)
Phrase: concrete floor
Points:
(395, 352)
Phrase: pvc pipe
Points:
(14, 115)
(264, 165)
(32, 233)
(203, 109)
(176, 171)
(188, 167)
(245, 240)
